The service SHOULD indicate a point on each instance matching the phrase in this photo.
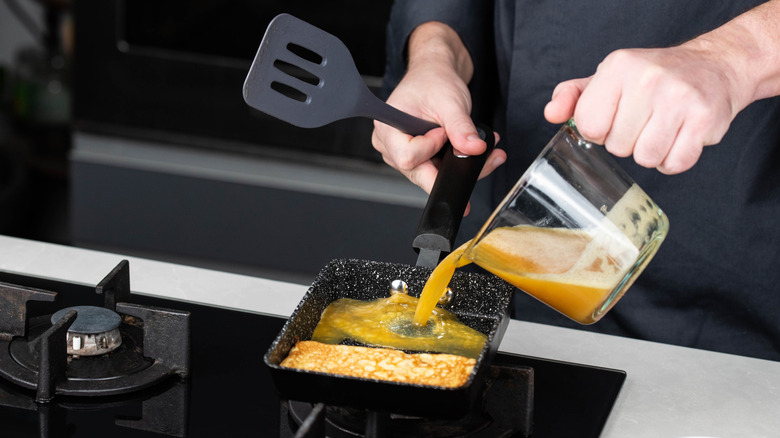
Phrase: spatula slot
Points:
(304, 53)
(296, 72)
(307, 77)
(289, 91)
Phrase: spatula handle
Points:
(404, 122)
(377, 109)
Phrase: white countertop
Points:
(669, 392)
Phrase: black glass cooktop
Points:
(230, 393)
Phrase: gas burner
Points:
(89, 350)
(94, 332)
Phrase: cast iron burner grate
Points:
(506, 410)
(154, 344)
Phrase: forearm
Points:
(749, 45)
(435, 42)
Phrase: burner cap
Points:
(95, 330)
(90, 320)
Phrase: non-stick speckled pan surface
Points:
(480, 301)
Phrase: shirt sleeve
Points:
(471, 19)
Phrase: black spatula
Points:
(306, 77)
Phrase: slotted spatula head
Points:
(303, 75)
(306, 76)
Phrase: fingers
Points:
(423, 175)
(564, 100)
(656, 138)
(402, 151)
(628, 123)
(596, 108)
(411, 156)
(658, 105)
(683, 153)
(496, 158)
(462, 133)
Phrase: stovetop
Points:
(229, 392)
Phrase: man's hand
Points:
(434, 88)
(664, 105)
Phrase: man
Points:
(654, 82)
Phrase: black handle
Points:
(449, 197)
(375, 108)
(402, 121)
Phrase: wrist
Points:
(436, 43)
(748, 50)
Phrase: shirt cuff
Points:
(471, 20)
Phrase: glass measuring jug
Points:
(574, 232)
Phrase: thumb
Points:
(564, 99)
(463, 134)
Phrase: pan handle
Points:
(448, 200)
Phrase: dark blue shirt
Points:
(714, 284)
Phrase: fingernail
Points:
(473, 137)
(498, 161)
(459, 154)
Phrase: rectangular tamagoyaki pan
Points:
(479, 301)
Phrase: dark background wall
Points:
(149, 149)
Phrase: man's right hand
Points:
(434, 88)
